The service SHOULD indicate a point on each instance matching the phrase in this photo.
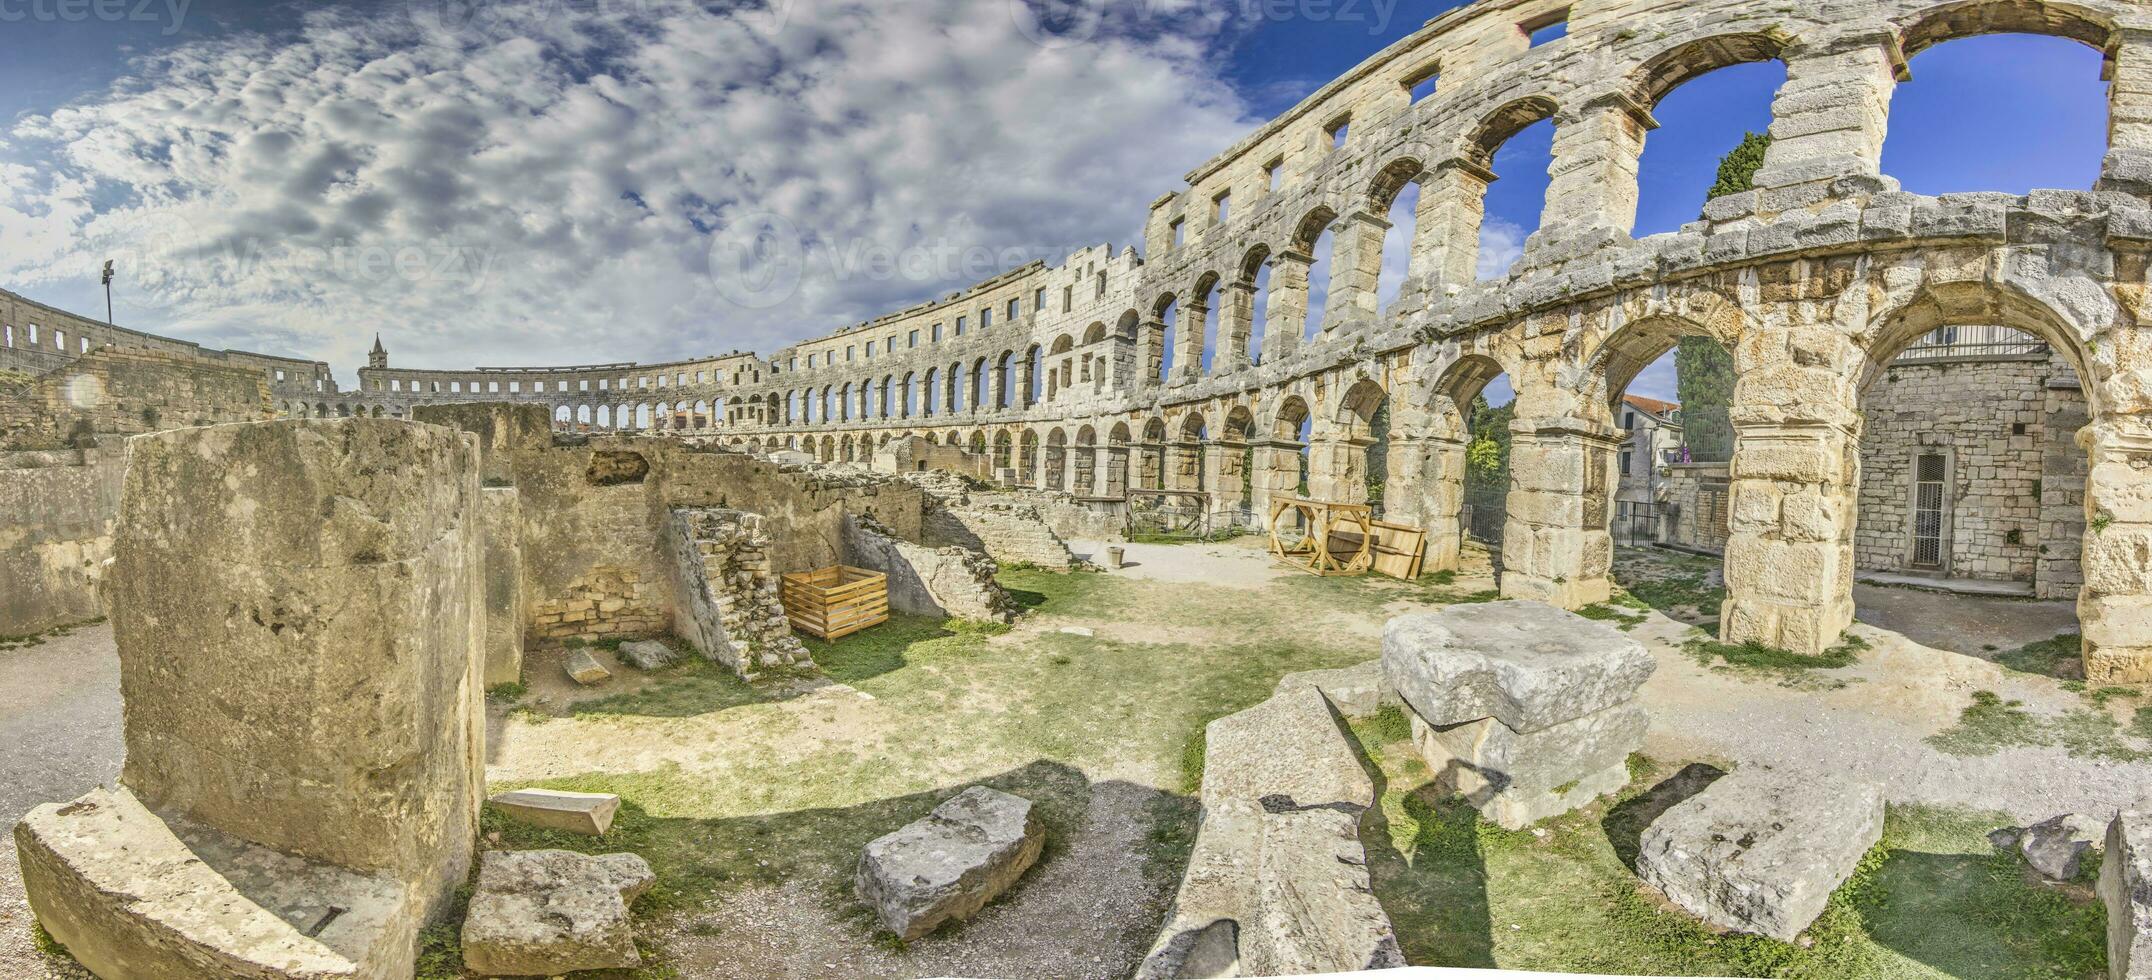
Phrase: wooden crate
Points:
(836, 601)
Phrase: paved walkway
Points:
(59, 736)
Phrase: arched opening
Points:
(1060, 368)
(1707, 96)
(1092, 372)
(1027, 463)
(1317, 239)
(1971, 481)
(977, 444)
(1117, 461)
(1359, 448)
(1206, 333)
(1166, 331)
(563, 416)
(1004, 452)
(2034, 71)
(1151, 462)
(1511, 153)
(1084, 465)
(927, 390)
(1035, 376)
(1281, 461)
(1237, 488)
(1396, 196)
(1005, 380)
(1255, 278)
(1057, 460)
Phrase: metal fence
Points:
(1636, 522)
(1975, 341)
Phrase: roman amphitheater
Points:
(997, 609)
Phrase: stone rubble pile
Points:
(730, 605)
(1522, 708)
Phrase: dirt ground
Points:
(754, 801)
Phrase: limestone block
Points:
(648, 654)
(1525, 664)
(336, 632)
(586, 670)
(2126, 889)
(1519, 779)
(576, 813)
(1358, 691)
(545, 913)
(950, 863)
(1245, 756)
(503, 587)
(1760, 850)
(135, 897)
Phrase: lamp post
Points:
(108, 292)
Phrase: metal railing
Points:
(1977, 341)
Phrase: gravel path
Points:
(59, 736)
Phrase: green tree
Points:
(1704, 378)
(1737, 170)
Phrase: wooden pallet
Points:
(1400, 549)
(835, 602)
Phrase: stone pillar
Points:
(1287, 313)
(505, 610)
(1337, 469)
(1277, 474)
(1355, 269)
(1184, 466)
(298, 616)
(2114, 609)
(1223, 471)
(1555, 543)
(1236, 327)
(1188, 343)
(1150, 355)
(997, 386)
(2128, 167)
(1829, 119)
(1789, 549)
(1426, 487)
(1446, 225)
(1592, 184)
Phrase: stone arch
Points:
(1504, 122)
(1117, 460)
(1004, 450)
(1083, 465)
(1971, 18)
(1677, 66)
(1027, 464)
(1057, 468)
(1151, 466)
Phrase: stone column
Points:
(1222, 474)
(997, 386)
(1287, 313)
(1829, 119)
(1592, 184)
(1427, 488)
(1188, 343)
(299, 621)
(1789, 548)
(1150, 356)
(2114, 609)
(1446, 225)
(2128, 167)
(1116, 471)
(1336, 469)
(1277, 474)
(1355, 269)
(1236, 326)
(1555, 544)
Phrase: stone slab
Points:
(549, 912)
(136, 897)
(575, 813)
(585, 669)
(1288, 751)
(1520, 779)
(1760, 850)
(1357, 691)
(950, 863)
(648, 655)
(2126, 889)
(1530, 665)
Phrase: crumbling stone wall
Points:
(928, 581)
(1007, 527)
(55, 535)
(506, 616)
(730, 607)
(916, 454)
(118, 390)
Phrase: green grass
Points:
(1788, 668)
(27, 640)
(2056, 657)
(1671, 582)
(691, 686)
(1991, 724)
(1932, 899)
(1624, 617)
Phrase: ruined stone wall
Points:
(506, 614)
(1694, 501)
(129, 391)
(59, 509)
(731, 608)
(929, 581)
(1988, 420)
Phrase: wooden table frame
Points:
(1323, 520)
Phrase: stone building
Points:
(1652, 439)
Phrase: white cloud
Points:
(538, 181)
(1501, 245)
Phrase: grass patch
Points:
(2056, 657)
(1932, 899)
(1991, 724)
(508, 693)
(693, 686)
(26, 640)
(1788, 668)
(1623, 618)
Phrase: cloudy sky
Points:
(573, 181)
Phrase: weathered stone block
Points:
(545, 913)
(585, 669)
(1528, 665)
(336, 630)
(1243, 761)
(950, 863)
(648, 654)
(1760, 850)
(135, 897)
(1519, 779)
(1357, 691)
(2126, 889)
(576, 813)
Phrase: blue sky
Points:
(565, 170)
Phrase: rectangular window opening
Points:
(1421, 86)
(1550, 27)
(1338, 130)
